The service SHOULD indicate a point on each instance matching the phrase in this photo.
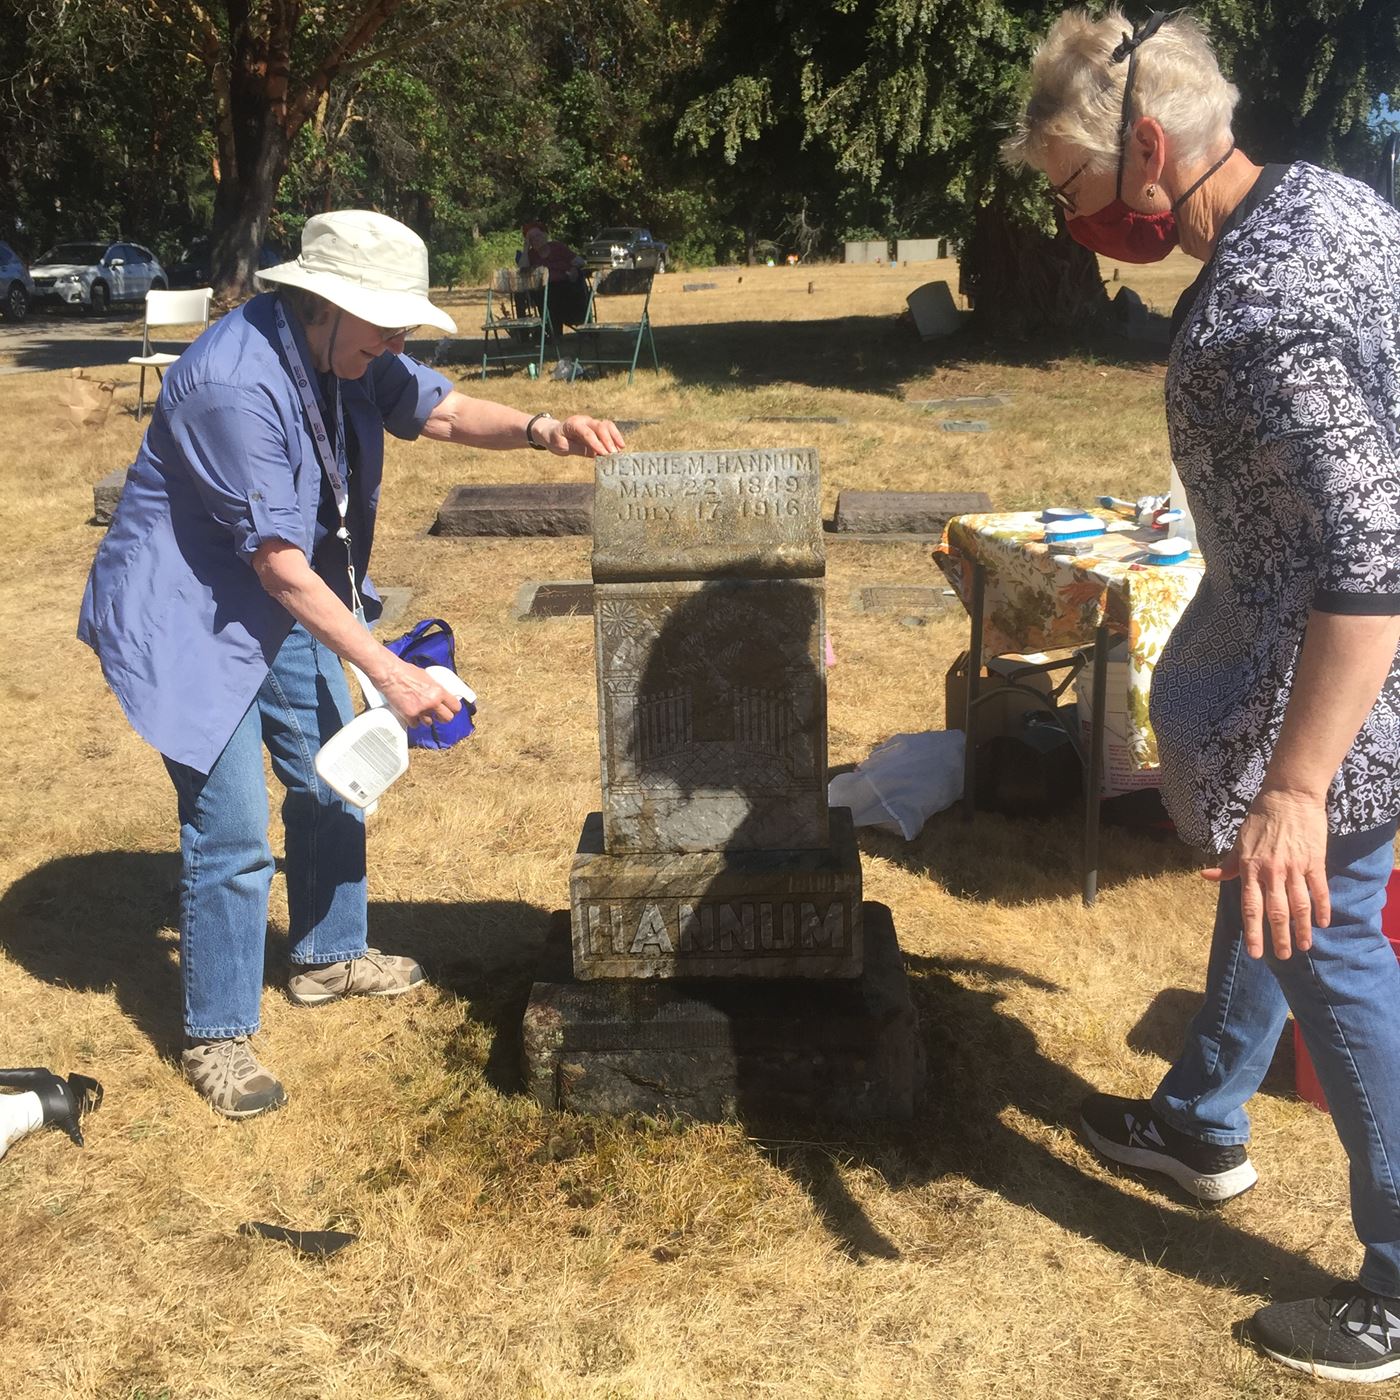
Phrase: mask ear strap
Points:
(1128, 49)
(1181, 199)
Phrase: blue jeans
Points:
(226, 862)
(1345, 996)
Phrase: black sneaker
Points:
(1126, 1131)
(1350, 1335)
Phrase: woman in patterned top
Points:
(1277, 701)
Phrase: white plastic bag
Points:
(903, 782)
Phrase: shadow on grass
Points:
(986, 1069)
(105, 921)
(1161, 1031)
(868, 354)
(94, 923)
(1011, 861)
(872, 354)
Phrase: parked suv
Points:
(16, 288)
(625, 247)
(94, 275)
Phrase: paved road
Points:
(68, 339)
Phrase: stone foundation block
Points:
(842, 1051)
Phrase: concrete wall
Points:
(921, 249)
(874, 250)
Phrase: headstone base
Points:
(844, 1051)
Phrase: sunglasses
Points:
(385, 336)
(1057, 192)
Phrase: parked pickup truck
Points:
(625, 247)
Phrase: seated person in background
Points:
(568, 290)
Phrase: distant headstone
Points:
(964, 425)
(530, 508)
(630, 425)
(105, 495)
(964, 401)
(905, 512)
(699, 286)
(553, 599)
(934, 311)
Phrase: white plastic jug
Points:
(360, 761)
(1185, 527)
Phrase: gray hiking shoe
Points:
(375, 974)
(229, 1077)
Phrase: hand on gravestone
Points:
(580, 436)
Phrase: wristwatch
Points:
(530, 432)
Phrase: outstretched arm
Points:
(481, 423)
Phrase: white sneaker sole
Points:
(1383, 1371)
(1222, 1186)
(321, 998)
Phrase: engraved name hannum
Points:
(650, 928)
(705, 464)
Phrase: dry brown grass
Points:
(506, 1252)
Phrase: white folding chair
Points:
(167, 309)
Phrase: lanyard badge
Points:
(335, 466)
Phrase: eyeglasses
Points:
(386, 336)
(1057, 192)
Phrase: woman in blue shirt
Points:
(232, 584)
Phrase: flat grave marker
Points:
(963, 401)
(535, 508)
(919, 599)
(539, 599)
(904, 512)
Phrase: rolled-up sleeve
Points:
(1313, 419)
(406, 393)
(237, 451)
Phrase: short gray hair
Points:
(1077, 91)
(311, 309)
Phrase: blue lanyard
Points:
(337, 467)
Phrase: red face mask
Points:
(1126, 234)
(1117, 230)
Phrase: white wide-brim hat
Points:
(368, 264)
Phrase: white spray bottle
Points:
(361, 761)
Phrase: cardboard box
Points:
(1120, 773)
(1002, 714)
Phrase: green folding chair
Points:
(617, 341)
(517, 321)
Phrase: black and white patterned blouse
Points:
(1283, 409)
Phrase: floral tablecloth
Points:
(1038, 601)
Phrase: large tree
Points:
(904, 100)
(264, 70)
(903, 96)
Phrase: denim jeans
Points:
(1345, 996)
(226, 861)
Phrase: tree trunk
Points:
(750, 246)
(1022, 283)
(241, 212)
